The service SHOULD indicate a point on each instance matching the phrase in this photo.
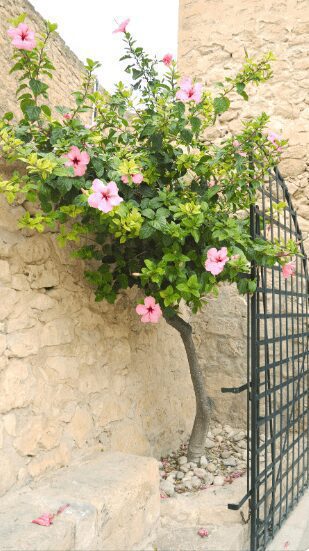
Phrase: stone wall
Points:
(212, 38)
(74, 374)
(68, 67)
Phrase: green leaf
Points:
(157, 141)
(195, 124)
(186, 136)
(148, 130)
(183, 287)
(251, 285)
(146, 231)
(46, 110)
(98, 165)
(148, 213)
(136, 73)
(221, 104)
(8, 116)
(51, 27)
(245, 285)
(37, 86)
(64, 184)
(17, 67)
(192, 281)
(159, 223)
(179, 108)
(240, 87)
(162, 212)
(32, 112)
(56, 135)
(19, 19)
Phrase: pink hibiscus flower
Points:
(216, 260)
(167, 59)
(78, 160)
(105, 197)
(23, 37)
(189, 91)
(150, 311)
(122, 28)
(274, 139)
(236, 144)
(67, 116)
(136, 178)
(288, 269)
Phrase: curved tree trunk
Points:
(203, 404)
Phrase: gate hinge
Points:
(235, 389)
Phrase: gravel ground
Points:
(224, 460)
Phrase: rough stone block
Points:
(58, 331)
(16, 385)
(5, 272)
(114, 505)
(8, 299)
(24, 343)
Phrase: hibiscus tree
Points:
(142, 191)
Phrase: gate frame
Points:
(252, 385)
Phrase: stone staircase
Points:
(114, 506)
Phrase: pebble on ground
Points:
(224, 460)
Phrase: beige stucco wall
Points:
(74, 373)
(212, 38)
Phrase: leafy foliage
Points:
(194, 196)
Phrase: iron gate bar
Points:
(277, 342)
(235, 389)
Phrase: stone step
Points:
(227, 537)
(205, 507)
(183, 515)
(114, 505)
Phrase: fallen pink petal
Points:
(44, 520)
(203, 532)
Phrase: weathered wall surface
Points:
(212, 37)
(74, 373)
